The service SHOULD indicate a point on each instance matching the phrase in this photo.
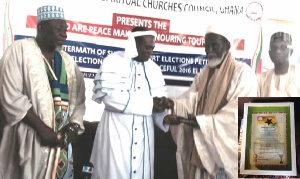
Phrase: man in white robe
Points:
(207, 146)
(129, 83)
(30, 143)
(282, 80)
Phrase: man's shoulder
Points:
(116, 56)
(264, 73)
(295, 68)
(24, 42)
(119, 54)
(244, 71)
(21, 46)
(152, 63)
(153, 67)
(242, 67)
(115, 61)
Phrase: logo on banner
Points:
(254, 11)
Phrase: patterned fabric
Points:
(50, 12)
(60, 93)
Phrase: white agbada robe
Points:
(217, 138)
(24, 84)
(124, 141)
(285, 85)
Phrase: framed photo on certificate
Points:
(268, 143)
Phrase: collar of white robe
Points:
(130, 49)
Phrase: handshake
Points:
(161, 104)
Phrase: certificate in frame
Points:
(268, 139)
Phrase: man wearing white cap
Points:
(207, 141)
(42, 96)
(129, 84)
(282, 80)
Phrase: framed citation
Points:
(268, 142)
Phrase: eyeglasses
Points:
(281, 48)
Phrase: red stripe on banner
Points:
(124, 20)
(119, 31)
(180, 39)
(239, 44)
(31, 22)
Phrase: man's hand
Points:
(68, 133)
(172, 119)
(161, 104)
(192, 121)
(48, 137)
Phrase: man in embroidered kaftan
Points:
(42, 96)
(282, 80)
(128, 83)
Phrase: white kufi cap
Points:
(220, 30)
(50, 12)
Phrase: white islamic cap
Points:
(220, 30)
(50, 12)
(130, 49)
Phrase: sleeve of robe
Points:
(112, 86)
(14, 103)
(217, 138)
(159, 90)
(77, 115)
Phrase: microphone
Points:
(87, 171)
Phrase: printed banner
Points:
(178, 40)
(97, 28)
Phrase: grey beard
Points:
(214, 62)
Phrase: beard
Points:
(215, 61)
